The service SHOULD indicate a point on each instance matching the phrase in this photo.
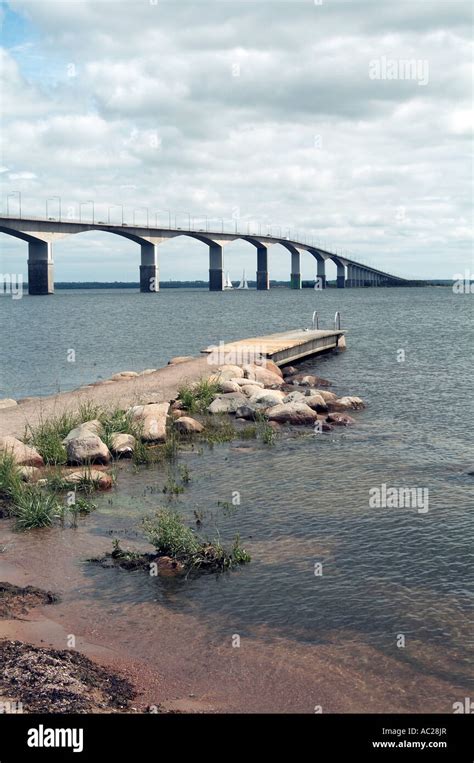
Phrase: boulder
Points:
(102, 480)
(168, 567)
(340, 419)
(292, 413)
(243, 382)
(29, 473)
(22, 454)
(269, 365)
(316, 402)
(122, 445)
(247, 412)
(124, 375)
(188, 425)
(229, 386)
(261, 374)
(147, 371)
(227, 403)
(289, 371)
(179, 359)
(89, 427)
(294, 397)
(152, 418)
(266, 398)
(352, 402)
(322, 426)
(236, 371)
(87, 449)
(329, 397)
(7, 402)
(177, 405)
(251, 389)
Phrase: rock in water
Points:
(153, 420)
(22, 454)
(261, 374)
(83, 430)
(122, 445)
(340, 419)
(88, 449)
(188, 425)
(227, 403)
(292, 413)
(102, 480)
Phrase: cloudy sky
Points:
(299, 114)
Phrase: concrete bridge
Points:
(41, 233)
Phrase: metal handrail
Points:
(315, 320)
(337, 321)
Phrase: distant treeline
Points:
(205, 284)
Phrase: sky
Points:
(350, 122)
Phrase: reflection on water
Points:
(385, 571)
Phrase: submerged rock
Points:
(340, 419)
(168, 567)
(102, 480)
(188, 425)
(22, 454)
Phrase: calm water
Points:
(306, 499)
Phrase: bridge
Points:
(41, 233)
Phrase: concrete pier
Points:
(216, 268)
(283, 348)
(149, 273)
(263, 279)
(40, 268)
(295, 278)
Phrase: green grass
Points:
(33, 507)
(196, 397)
(169, 535)
(11, 483)
(218, 429)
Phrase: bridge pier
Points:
(40, 267)
(321, 273)
(351, 276)
(263, 281)
(295, 277)
(341, 276)
(149, 272)
(216, 268)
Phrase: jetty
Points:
(282, 348)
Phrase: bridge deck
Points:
(284, 347)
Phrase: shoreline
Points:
(161, 384)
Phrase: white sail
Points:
(228, 282)
(243, 284)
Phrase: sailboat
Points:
(228, 282)
(243, 284)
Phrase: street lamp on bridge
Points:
(15, 193)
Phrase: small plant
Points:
(172, 488)
(11, 483)
(169, 451)
(184, 474)
(82, 506)
(267, 434)
(35, 508)
(197, 397)
(249, 433)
